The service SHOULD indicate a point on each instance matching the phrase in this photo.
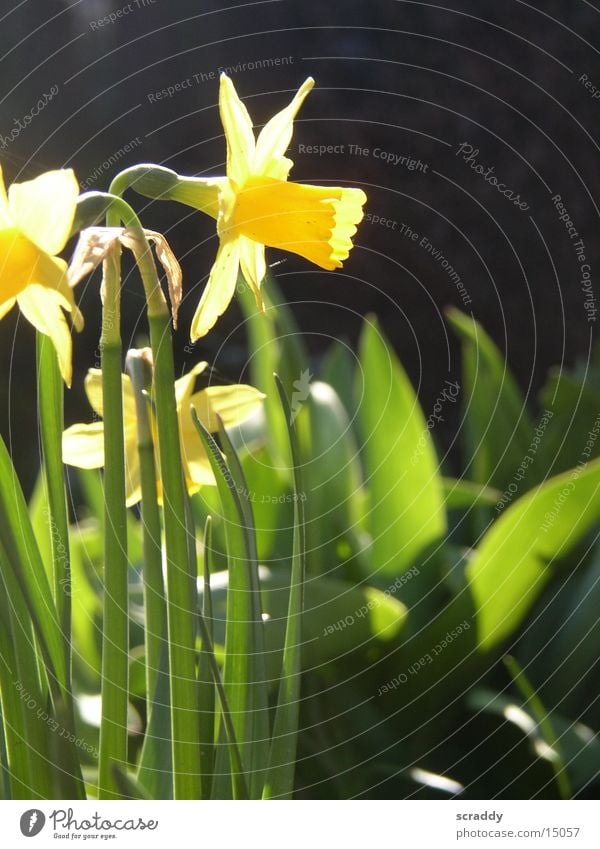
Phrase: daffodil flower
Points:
(83, 444)
(258, 207)
(35, 223)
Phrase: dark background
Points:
(411, 78)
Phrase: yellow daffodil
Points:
(83, 444)
(258, 207)
(35, 222)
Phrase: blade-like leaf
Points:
(26, 567)
(282, 757)
(243, 673)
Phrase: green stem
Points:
(115, 636)
(181, 578)
(154, 589)
(181, 574)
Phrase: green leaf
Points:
(544, 722)
(515, 558)
(279, 782)
(497, 426)
(205, 678)
(26, 568)
(331, 476)
(407, 512)
(244, 674)
(461, 494)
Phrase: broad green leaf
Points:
(497, 426)
(337, 369)
(331, 477)
(279, 782)
(401, 469)
(572, 405)
(515, 558)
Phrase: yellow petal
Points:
(5, 220)
(275, 136)
(7, 306)
(42, 307)
(133, 486)
(83, 446)
(254, 267)
(44, 208)
(219, 289)
(185, 385)
(234, 404)
(238, 132)
(198, 470)
(316, 222)
(93, 390)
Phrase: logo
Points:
(32, 822)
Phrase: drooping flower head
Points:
(257, 207)
(36, 217)
(83, 444)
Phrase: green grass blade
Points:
(50, 413)
(282, 756)
(24, 565)
(544, 722)
(243, 673)
(205, 677)
(129, 787)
